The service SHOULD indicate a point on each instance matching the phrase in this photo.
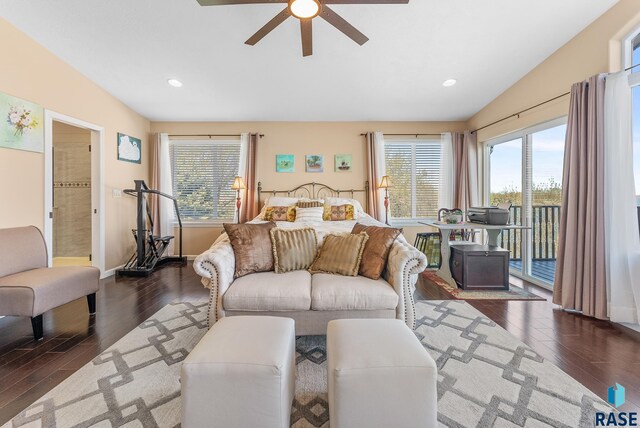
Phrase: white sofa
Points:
(311, 300)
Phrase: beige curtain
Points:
(154, 181)
(465, 170)
(249, 208)
(580, 282)
(375, 172)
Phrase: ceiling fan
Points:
(305, 11)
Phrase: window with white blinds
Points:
(414, 169)
(202, 175)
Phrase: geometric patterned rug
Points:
(486, 377)
(513, 293)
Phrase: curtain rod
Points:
(537, 105)
(209, 135)
(408, 135)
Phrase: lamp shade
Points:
(385, 183)
(238, 184)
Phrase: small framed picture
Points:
(285, 163)
(129, 149)
(314, 163)
(344, 163)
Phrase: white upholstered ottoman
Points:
(241, 374)
(379, 375)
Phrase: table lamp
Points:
(238, 185)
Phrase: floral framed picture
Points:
(314, 163)
(21, 124)
(129, 149)
(285, 163)
(344, 163)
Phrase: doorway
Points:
(71, 195)
(74, 228)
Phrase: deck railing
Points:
(544, 230)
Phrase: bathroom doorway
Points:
(71, 195)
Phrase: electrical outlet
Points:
(117, 193)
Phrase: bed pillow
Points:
(281, 201)
(310, 203)
(252, 247)
(309, 215)
(376, 250)
(344, 201)
(280, 213)
(340, 213)
(293, 249)
(340, 254)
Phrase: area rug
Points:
(514, 292)
(486, 377)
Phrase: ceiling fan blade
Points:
(268, 27)
(341, 24)
(228, 2)
(364, 1)
(306, 29)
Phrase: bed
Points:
(216, 265)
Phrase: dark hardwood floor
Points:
(594, 352)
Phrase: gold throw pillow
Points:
(376, 250)
(342, 212)
(251, 245)
(340, 254)
(293, 249)
(280, 213)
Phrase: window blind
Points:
(414, 168)
(202, 175)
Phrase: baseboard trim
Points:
(110, 272)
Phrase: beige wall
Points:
(300, 139)
(35, 74)
(595, 50)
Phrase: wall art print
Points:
(285, 163)
(21, 124)
(129, 149)
(314, 163)
(344, 163)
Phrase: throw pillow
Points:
(342, 212)
(251, 245)
(293, 249)
(280, 213)
(312, 215)
(340, 254)
(310, 203)
(376, 250)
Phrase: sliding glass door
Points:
(526, 170)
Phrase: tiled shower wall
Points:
(72, 197)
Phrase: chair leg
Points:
(91, 302)
(36, 323)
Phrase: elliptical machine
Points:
(150, 249)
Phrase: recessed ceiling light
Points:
(175, 83)
(449, 82)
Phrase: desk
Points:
(493, 231)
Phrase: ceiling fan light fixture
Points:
(304, 9)
(449, 83)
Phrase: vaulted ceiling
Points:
(131, 48)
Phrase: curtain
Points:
(154, 181)
(465, 170)
(580, 280)
(375, 171)
(622, 241)
(167, 209)
(445, 195)
(247, 170)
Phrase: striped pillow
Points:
(313, 215)
(340, 254)
(310, 204)
(293, 249)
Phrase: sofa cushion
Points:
(269, 291)
(336, 292)
(33, 292)
(293, 249)
(251, 245)
(376, 250)
(340, 254)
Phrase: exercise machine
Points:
(150, 249)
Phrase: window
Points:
(414, 170)
(635, 114)
(202, 175)
(525, 169)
